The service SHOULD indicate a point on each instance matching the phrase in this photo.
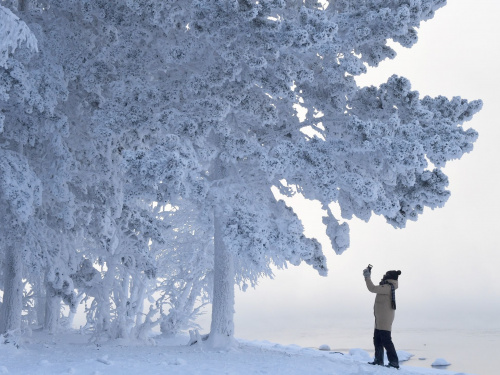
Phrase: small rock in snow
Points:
(104, 360)
(441, 362)
(3, 370)
(177, 362)
(324, 347)
(422, 359)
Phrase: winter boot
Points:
(390, 365)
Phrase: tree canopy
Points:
(140, 142)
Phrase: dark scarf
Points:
(393, 293)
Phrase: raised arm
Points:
(379, 289)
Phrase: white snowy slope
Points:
(72, 354)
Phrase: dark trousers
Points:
(382, 339)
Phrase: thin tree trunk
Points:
(122, 307)
(222, 326)
(40, 297)
(52, 311)
(103, 300)
(12, 306)
(137, 298)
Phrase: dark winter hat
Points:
(392, 275)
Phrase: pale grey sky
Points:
(449, 258)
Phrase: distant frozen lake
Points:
(470, 351)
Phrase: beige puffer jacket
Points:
(384, 314)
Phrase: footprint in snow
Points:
(177, 362)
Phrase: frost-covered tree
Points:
(20, 191)
(195, 105)
(238, 71)
(111, 106)
(35, 129)
(20, 188)
(34, 126)
(186, 262)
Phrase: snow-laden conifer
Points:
(208, 106)
(238, 71)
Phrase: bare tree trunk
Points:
(12, 306)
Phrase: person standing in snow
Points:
(384, 310)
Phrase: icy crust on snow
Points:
(72, 354)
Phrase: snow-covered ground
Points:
(71, 353)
